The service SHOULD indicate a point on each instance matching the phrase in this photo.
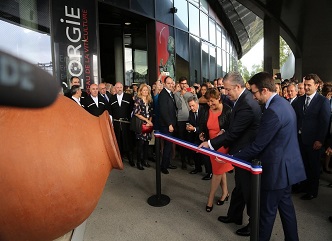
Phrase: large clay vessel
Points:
(54, 163)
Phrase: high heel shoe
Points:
(208, 208)
(221, 202)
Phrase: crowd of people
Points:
(286, 124)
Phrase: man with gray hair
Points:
(244, 123)
(197, 119)
(292, 91)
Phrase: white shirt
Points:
(95, 99)
(119, 97)
(77, 100)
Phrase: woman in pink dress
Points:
(217, 122)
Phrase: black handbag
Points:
(136, 124)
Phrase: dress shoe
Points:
(165, 171)
(132, 163)
(243, 231)
(146, 164)
(195, 171)
(207, 176)
(226, 219)
(308, 196)
(221, 202)
(139, 166)
(172, 167)
(208, 208)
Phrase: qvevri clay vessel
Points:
(54, 163)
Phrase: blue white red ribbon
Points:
(223, 157)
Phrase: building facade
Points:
(119, 40)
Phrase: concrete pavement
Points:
(123, 212)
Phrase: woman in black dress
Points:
(143, 110)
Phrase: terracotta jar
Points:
(54, 164)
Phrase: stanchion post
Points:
(255, 203)
(158, 200)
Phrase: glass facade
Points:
(203, 49)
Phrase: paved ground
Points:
(124, 214)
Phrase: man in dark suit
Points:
(74, 80)
(167, 121)
(104, 93)
(313, 117)
(277, 148)
(94, 103)
(121, 106)
(244, 122)
(197, 115)
(292, 91)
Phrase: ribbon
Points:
(254, 169)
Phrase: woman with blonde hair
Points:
(143, 110)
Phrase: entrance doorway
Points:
(123, 45)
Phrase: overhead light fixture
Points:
(127, 23)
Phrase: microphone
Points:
(23, 84)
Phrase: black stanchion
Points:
(158, 200)
(255, 203)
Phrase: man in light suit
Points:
(277, 148)
(313, 116)
(167, 121)
(244, 122)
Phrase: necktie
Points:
(195, 114)
(105, 97)
(306, 104)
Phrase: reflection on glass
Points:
(212, 29)
(195, 59)
(204, 26)
(212, 62)
(218, 30)
(224, 64)
(195, 2)
(194, 20)
(205, 61)
(128, 66)
(181, 17)
(26, 44)
(219, 63)
(140, 66)
(204, 5)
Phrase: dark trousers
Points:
(183, 134)
(142, 150)
(199, 160)
(271, 202)
(167, 151)
(240, 195)
(312, 165)
(124, 137)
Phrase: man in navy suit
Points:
(276, 146)
(197, 118)
(167, 121)
(313, 116)
(244, 122)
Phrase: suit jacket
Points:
(223, 119)
(276, 146)
(167, 109)
(123, 111)
(197, 123)
(91, 106)
(314, 122)
(244, 122)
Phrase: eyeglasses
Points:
(254, 92)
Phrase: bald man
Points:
(95, 103)
(121, 105)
